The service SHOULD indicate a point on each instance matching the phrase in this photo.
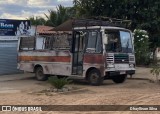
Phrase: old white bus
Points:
(93, 50)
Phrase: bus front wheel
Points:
(95, 78)
(40, 76)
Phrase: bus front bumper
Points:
(114, 73)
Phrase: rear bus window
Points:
(27, 43)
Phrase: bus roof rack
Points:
(93, 21)
(101, 21)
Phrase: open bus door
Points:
(78, 52)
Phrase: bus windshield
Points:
(119, 41)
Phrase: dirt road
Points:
(19, 89)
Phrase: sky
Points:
(23, 9)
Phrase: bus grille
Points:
(121, 58)
(110, 58)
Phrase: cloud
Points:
(38, 2)
(18, 2)
(64, 0)
(22, 15)
(22, 9)
(10, 16)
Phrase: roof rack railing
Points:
(101, 21)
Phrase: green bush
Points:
(58, 83)
(141, 45)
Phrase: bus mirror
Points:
(105, 39)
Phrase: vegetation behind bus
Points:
(142, 51)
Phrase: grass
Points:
(58, 83)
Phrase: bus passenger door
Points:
(78, 52)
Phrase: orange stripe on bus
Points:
(45, 58)
(93, 59)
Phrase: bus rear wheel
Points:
(95, 78)
(40, 76)
(119, 78)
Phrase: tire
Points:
(119, 78)
(95, 78)
(40, 76)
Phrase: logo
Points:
(3, 25)
(6, 108)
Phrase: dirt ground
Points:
(21, 89)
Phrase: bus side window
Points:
(94, 42)
(27, 43)
(99, 43)
(48, 41)
(61, 41)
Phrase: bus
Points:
(93, 50)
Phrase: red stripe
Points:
(93, 58)
(45, 58)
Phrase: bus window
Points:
(94, 42)
(48, 41)
(61, 41)
(27, 43)
(92, 39)
(114, 44)
(99, 43)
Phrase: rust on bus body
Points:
(93, 58)
(46, 68)
(48, 56)
(102, 69)
(45, 58)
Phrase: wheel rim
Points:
(40, 73)
(94, 77)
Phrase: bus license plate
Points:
(122, 72)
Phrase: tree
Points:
(141, 43)
(57, 17)
(51, 18)
(37, 20)
(87, 8)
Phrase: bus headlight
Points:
(131, 65)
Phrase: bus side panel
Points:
(53, 62)
(94, 61)
(26, 66)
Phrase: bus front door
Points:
(78, 51)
